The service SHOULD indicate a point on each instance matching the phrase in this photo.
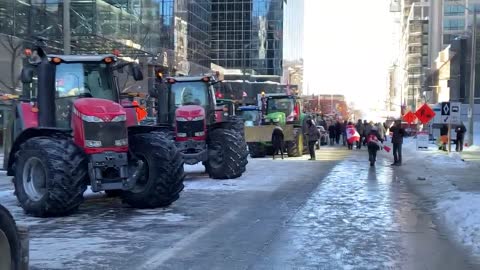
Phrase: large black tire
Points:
(227, 154)
(257, 150)
(10, 246)
(161, 181)
(62, 172)
(238, 124)
(295, 147)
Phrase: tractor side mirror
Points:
(27, 75)
(137, 72)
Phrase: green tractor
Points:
(287, 111)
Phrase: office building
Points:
(248, 35)
(170, 33)
(293, 44)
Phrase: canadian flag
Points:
(352, 135)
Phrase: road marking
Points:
(157, 260)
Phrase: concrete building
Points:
(414, 51)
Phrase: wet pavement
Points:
(335, 213)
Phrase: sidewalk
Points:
(451, 182)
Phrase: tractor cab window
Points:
(84, 79)
(285, 105)
(190, 93)
(76, 80)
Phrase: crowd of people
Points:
(367, 134)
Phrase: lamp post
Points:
(66, 27)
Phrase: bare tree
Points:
(14, 48)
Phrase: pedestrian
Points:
(352, 135)
(381, 132)
(460, 130)
(366, 132)
(331, 134)
(277, 140)
(443, 137)
(313, 137)
(385, 127)
(344, 132)
(397, 140)
(360, 129)
(373, 144)
(338, 131)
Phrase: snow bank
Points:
(462, 215)
(473, 148)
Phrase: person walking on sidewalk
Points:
(360, 129)
(352, 135)
(332, 134)
(460, 130)
(338, 131)
(397, 140)
(373, 144)
(277, 140)
(313, 137)
(344, 132)
(443, 137)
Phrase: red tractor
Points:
(69, 131)
(187, 108)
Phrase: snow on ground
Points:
(461, 213)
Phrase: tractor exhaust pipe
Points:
(46, 94)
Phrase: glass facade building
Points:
(173, 33)
(247, 35)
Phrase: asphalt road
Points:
(333, 213)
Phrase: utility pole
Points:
(472, 78)
(66, 27)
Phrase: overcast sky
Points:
(348, 48)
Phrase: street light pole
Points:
(472, 78)
(66, 27)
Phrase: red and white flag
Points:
(352, 135)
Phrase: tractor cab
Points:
(284, 109)
(188, 106)
(251, 114)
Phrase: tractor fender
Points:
(26, 135)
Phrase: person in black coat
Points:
(360, 129)
(373, 144)
(460, 130)
(332, 134)
(277, 140)
(397, 140)
(338, 131)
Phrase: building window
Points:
(454, 24)
(453, 10)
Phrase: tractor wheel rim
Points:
(5, 254)
(34, 179)
(216, 155)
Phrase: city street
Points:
(334, 213)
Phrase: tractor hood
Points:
(276, 117)
(104, 109)
(190, 112)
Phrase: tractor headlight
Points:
(92, 144)
(181, 119)
(119, 118)
(198, 118)
(92, 119)
(121, 142)
(182, 135)
(200, 133)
